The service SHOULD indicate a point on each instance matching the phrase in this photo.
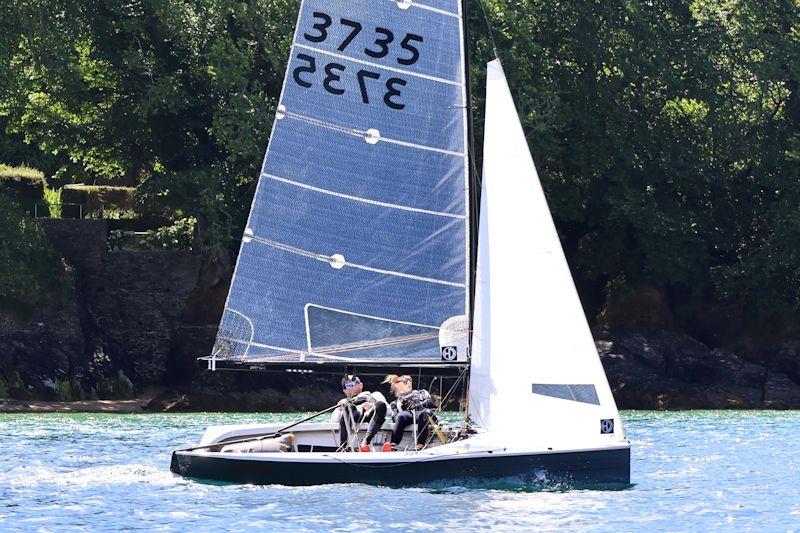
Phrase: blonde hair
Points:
(392, 380)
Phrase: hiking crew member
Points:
(409, 404)
(360, 406)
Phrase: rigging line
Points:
(489, 29)
(461, 376)
(329, 259)
(379, 66)
(360, 199)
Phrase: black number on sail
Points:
(391, 91)
(362, 74)
(406, 45)
(321, 27)
(383, 51)
(310, 68)
(356, 28)
(331, 78)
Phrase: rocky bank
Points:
(136, 321)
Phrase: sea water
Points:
(691, 471)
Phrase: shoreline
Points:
(82, 406)
(138, 406)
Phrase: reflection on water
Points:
(691, 471)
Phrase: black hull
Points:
(584, 468)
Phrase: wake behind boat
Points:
(361, 253)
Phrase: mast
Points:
(472, 170)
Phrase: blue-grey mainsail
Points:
(357, 244)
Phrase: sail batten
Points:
(364, 200)
(358, 232)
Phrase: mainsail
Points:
(534, 363)
(357, 244)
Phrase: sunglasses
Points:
(350, 384)
(405, 379)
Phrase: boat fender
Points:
(283, 443)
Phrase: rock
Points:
(660, 369)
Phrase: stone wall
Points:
(122, 316)
(135, 301)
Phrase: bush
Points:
(118, 387)
(53, 199)
(21, 173)
(178, 236)
(24, 184)
(69, 390)
(31, 272)
(116, 202)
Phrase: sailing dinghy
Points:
(359, 255)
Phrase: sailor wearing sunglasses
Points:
(411, 406)
(360, 406)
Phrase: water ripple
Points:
(693, 470)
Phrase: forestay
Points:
(534, 364)
(356, 247)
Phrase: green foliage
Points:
(24, 184)
(144, 93)
(53, 199)
(117, 387)
(178, 236)
(666, 133)
(31, 272)
(106, 201)
(21, 173)
(69, 390)
(666, 136)
(10, 380)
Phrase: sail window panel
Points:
(432, 114)
(344, 334)
(374, 236)
(383, 172)
(584, 393)
(382, 37)
(273, 286)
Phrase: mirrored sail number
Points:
(331, 83)
(380, 40)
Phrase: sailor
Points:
(360, 406)
(410, 406)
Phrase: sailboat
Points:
(362, 254)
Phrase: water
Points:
(693, 471)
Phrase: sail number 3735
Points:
(379, 47)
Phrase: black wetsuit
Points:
(352, 411)
(415, 401)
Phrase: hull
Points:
(574, 468)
